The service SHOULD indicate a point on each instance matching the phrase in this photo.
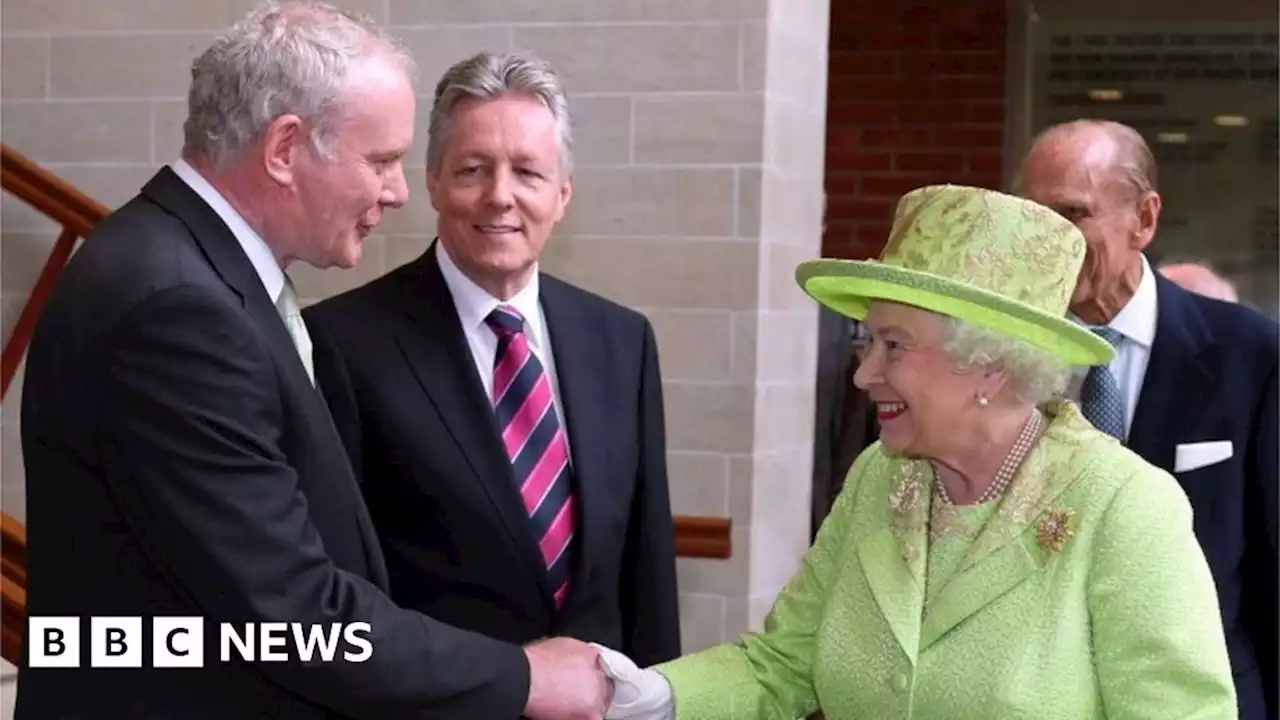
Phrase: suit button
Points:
(900, 682)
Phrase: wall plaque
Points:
(1204, 95)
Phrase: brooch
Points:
(1054, 529)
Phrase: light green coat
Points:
(1121, 621)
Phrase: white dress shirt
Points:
(473, 304)
(264, 261)
(1136, 323)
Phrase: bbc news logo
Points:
(178, 642)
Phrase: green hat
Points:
(986, 258)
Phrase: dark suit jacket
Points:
(411, 409)
(1212, 376)
(179, 462)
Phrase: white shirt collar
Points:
(264, 261)
(474, 303)
(1136, 321)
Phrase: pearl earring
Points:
(982, 400)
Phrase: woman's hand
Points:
(637, 694)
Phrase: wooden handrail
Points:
(13, 587)
(56, 198)
(703, 537)
(78, 214)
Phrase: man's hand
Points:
(566, 681)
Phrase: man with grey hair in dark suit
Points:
(506, 426)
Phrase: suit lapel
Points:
(228, 259)
(893, 555)
(981, 584)
(435, 347)
(1173, 387)
(1006, 551)
(582, 369)
(215, 239)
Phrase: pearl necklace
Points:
(1009, 468)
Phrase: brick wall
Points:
(916, 94)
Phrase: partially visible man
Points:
(507, 427)
(180, 461)
(845, 417)
(1193, 386)
(1200, 278)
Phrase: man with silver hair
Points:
(507, 427)
(180, 461)
(1193, 386)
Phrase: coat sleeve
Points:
(1159, 647)
(191, 426)
(650, 605)
(769, 674)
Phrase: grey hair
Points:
(291, 57)
(1132, 162)
(489, 76)
(1034, 375)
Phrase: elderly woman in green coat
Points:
(993, 556)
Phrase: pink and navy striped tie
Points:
(535, 443)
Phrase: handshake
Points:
(573, 680)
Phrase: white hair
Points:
(291, 57)
(489, 76)
(1034, 375)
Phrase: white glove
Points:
(637, 694)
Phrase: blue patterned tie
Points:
(1100, 398)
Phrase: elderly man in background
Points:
(1200, 278)
(506, 427)
(179, 459)
(1193, 386)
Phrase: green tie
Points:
(291, 313)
